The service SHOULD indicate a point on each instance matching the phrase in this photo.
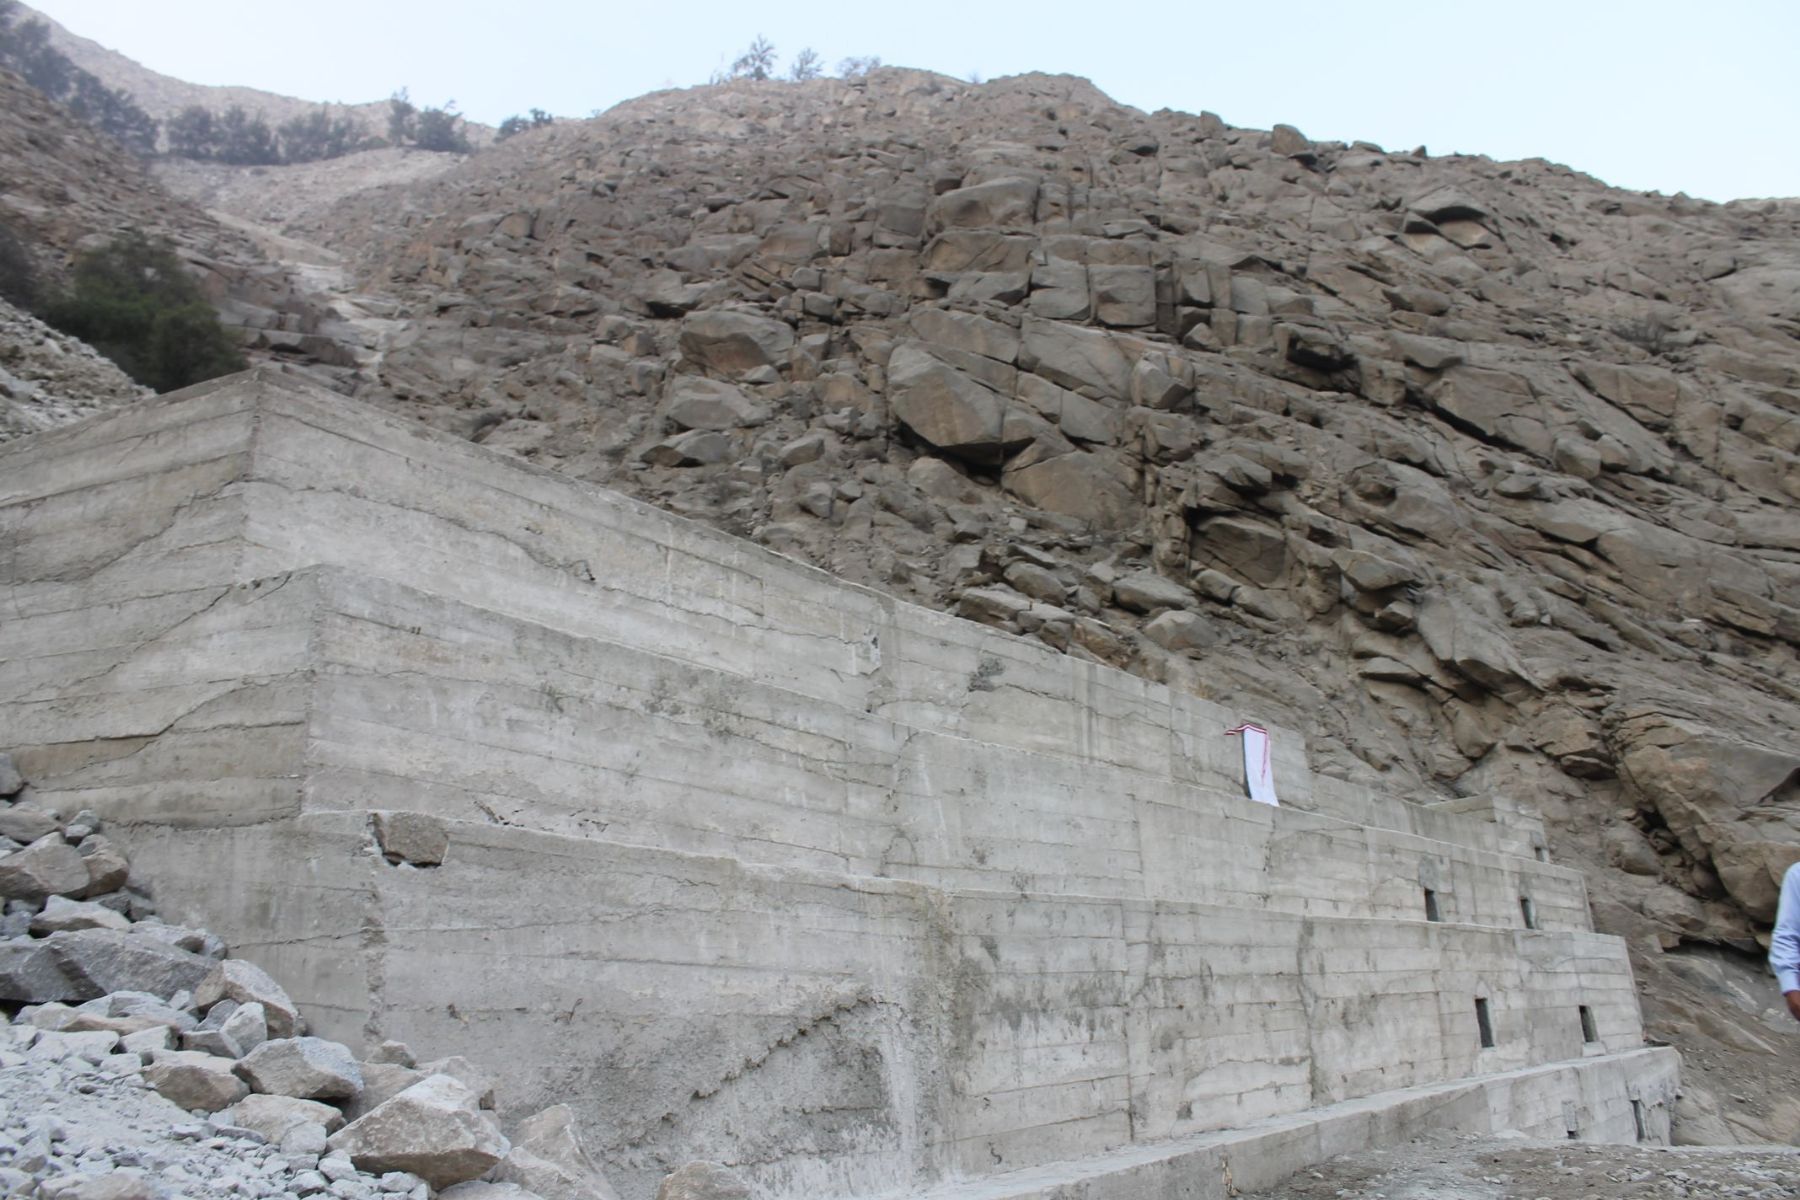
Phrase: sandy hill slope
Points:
(162, 96)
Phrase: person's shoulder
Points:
(1791, 877)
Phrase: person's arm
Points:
(1784, 944)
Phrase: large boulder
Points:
(733, 342)
(30, 973)
(703, 1181)
(695, 403)
(245, 982)
(231, 1029)
(275, 1116)
(107, 960)
(62, 915)
(944, 407)
(999, 203)
(195, 1081)
(434, 1129)
(1726, 794)
(24, 823)
(49, 866)
(1466, 641)
(1083, 360)
(307, 1067)
(966, 332)
(1087, 486)
(547, 1158)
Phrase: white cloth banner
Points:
(1259, 771)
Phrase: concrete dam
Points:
(747, 863)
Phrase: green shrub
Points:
(133, 302)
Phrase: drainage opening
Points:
(1590, 1033)
(1637, 1118)
(1431, 906)
(1529, 911)
(1484, 1022)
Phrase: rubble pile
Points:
(142, 1062)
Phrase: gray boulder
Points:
(11, 782)
(476, 1189)
(231, 1029)
(734, 342)
(1002, 203)
(703, 1181)
(108, 960)
(945, 407)
(23, 823)
(1180, 631)
(107, 868)
(308, 1067)
(412, 838)
(243, 981)
(382, 1081)
(275, 1116)
(1146, 591)
(62, 915)
(195, 1081)
(49, 866)
(695, 448)
(30, 973)
(695, 403)
(547, 1158)
(435, 1129)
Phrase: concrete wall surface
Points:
(747, 863)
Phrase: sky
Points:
(1696, 96)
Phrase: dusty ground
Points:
(1452, 1168)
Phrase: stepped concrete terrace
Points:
(748, 863)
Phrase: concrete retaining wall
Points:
(745, 862)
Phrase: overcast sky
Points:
(1701, 96)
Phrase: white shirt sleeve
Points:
(1784, 944)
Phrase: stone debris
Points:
(548, 1159)
(140, 1065)
(434, 1129)
(246, 983)
(703, 1181)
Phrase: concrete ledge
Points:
(1618, 1091)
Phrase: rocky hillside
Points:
(1483, 474)
(49, 379)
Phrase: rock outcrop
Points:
(1484, 473)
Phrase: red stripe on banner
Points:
(1268, 742)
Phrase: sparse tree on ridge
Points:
(25, 48)
(245, 140)
(517, 124)
(806, 65)
(192, 134)
(440, 130)
(318, 135)
(401, 117)
(857, 67)
(757, 62)
(436, 129)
